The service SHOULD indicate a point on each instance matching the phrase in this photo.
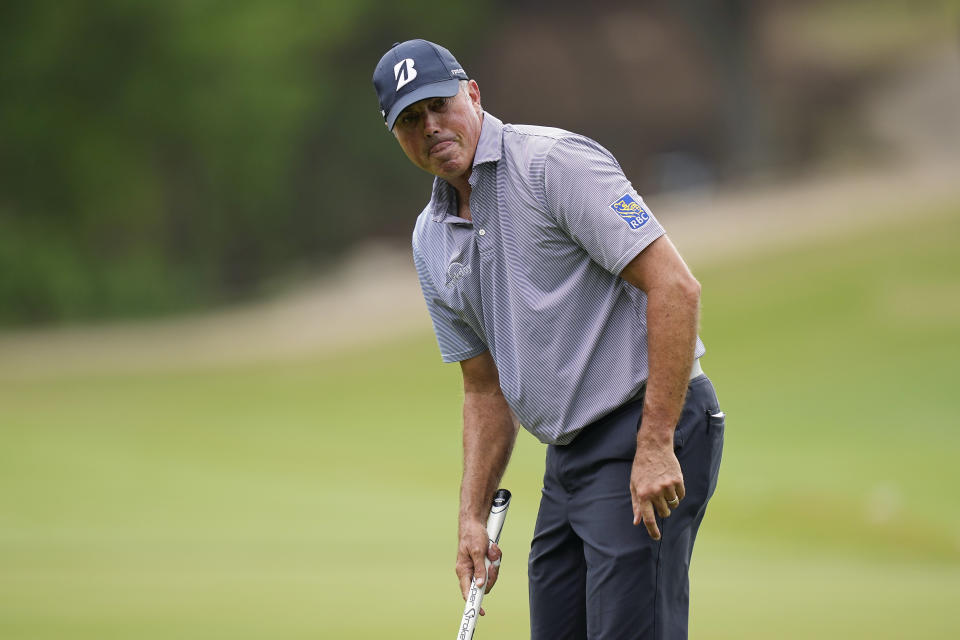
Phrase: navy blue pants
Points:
(592, 573)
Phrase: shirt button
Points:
(481, 232)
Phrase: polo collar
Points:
(443, 200)
(490, 144)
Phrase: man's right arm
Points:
(489, 432)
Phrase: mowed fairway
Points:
(318, 498)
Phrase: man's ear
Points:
(473, 90)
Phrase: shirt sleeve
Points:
(456, 339)
(594, 203)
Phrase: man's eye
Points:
(439, 103)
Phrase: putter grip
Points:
(471, 611)
(498, 513)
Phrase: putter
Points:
(498, 513)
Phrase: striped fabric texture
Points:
(533, 278)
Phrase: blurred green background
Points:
(222, 410)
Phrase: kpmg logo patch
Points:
(631, 211)
(456, 272)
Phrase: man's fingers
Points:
(637, 512)
(643, 512)
(492, 573)
(467, 571)
(494, 555)
(651, 522)
(652, 527)
(660, 504)
(681, 490)
(465, 579)
(479, 568)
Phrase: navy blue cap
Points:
(414, 70)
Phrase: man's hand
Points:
(656, 481)
(473, 548)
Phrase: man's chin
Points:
(449, 169)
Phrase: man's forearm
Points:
(489, 433)
(672, 317)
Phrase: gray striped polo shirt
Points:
(533, 278)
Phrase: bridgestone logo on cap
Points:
(404, 72)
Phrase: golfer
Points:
(571, 313)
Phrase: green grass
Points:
(274, 501)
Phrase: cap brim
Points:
(442, 89)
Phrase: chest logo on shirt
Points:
(631, 211)
(456, 272)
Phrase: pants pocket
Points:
(716, 425)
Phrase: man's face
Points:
(440, 135)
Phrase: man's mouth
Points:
(440, 147)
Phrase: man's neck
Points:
(463, 201)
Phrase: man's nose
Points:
(431, 125)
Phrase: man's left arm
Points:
(673, 305)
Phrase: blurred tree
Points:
(728, 30)
(160, 155)
(157, 156)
